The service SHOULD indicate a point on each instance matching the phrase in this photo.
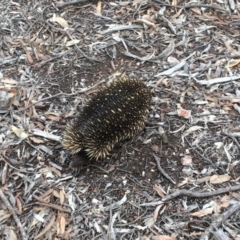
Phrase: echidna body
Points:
(115, 113)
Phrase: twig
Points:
(220, 220)
(46, 228)
(59, 94)
(143, 59)
(232, 137)
(4, 158)
(10, 208)
(192, 6)
(129, 223)
(38, 65)
(170, 25)
(114, 205)
(217, 80)
(176, 67)
(51, 205)
(110, 231)
(206, 159)
(66, 32)
(227, 56)
(42, 100)
(119, 27)
(206, 6)
(89, 58)
(61, 5)
(161, 170)
(193, 194)
(91, 165)
(46, 135)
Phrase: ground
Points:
(54, 57)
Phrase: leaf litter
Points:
(179, 177)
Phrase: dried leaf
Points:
(72, 42)
(34, 112)
(46, 228)
(186, 160)
(193, 129)
(58, 173)
(159, 190)
(172, 61)
(155, 214)
(38, 218)
(235, 100)
(138, 2)
(4, 215)
(204, 212)
(236, 107)
(37, 140)
(99, 7)
(61, 21)
(232, 63)
(155, 148)
(9, 81)
(61, 195)
(19, 204)
(147, 22)
(56, 194)
(184, 113)
(218, 145)
(112, 168)
(19, 132)
(196, 10)
(217, 179)
(162, 237)
(229, 48)
(204, 179)
(236, 195)
(52, 117)
(62, 224)
(185, 181)
(211, 98)
(149, 222)
(144, 238)
(225, 201)
(29, 57)
(4, 174)
(12, 235)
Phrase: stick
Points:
(193, 194)
(161, 170)
(12, 211)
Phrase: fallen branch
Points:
(193, 194)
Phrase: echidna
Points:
(115, 113)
